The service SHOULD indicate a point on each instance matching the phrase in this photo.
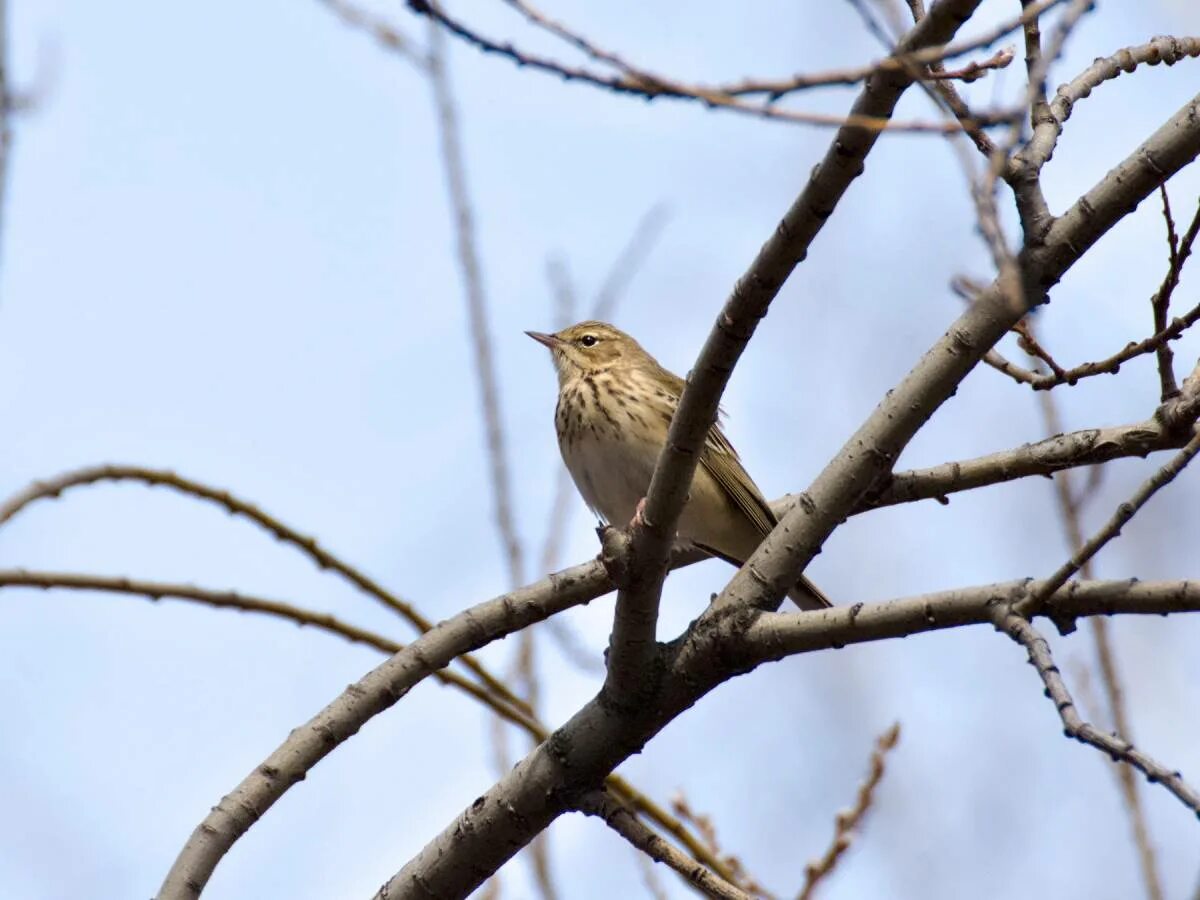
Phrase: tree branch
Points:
(621, 820)
(870, 453)
(661, 87)
(157, 590)
(477, 314)
(378, 690)
(1124, 513)
(1021, 631)
(577, 757)
(1088, 447)
(1163, 49)
(384, 32)
(847, 822)
(600, 735)
(633, 634)
(638, 79)
(52, 488)
(555, 775)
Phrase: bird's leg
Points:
(639, 519)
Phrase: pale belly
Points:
(612, 476)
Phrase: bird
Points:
(615, 404)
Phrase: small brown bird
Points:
(615, 403)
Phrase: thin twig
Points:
(1070, 502)
(1000, 363)
(1165, 49)
(632, 644)
(1027, 341)
(52, 488)
(1157, 343)
(950, 97)
(8, 104)
(777, 88)
(848, 822)
(384, 32)
(221, 599)
(629, 261)
(1178, 251)
(1160, 303)
(617, 817)
(661, 87)
(708, 831)
(481, 338)
(1111, 528)
(973, 71)
(1116, 746)
(485, 370)
(650, 879)
(1087, 447)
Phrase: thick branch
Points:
(1088, 447)
(774, 636)
(871, 452)
(637, 607)
(378, 690)
(599, 737)
(563, 769)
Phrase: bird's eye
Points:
(589, 340)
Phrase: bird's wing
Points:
(721, 461)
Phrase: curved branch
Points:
(649, 84)
(52, 488)
(775, 636)
(597, 738)
(621, 820)
(381, 688)
(1088, 447)
(847, 822)
(157, 590)
(1162, 49)
(657, 87)
(603, 734)
(637, 603)
(870, 453)
(1124, 513)
(1114, 745)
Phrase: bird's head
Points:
(588, 348)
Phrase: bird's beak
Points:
(547, 339)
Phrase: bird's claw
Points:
(639, 518)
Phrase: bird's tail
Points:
(804, 593)
(807, 595)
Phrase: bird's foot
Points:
(639, 517)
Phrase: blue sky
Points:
(227, 251)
